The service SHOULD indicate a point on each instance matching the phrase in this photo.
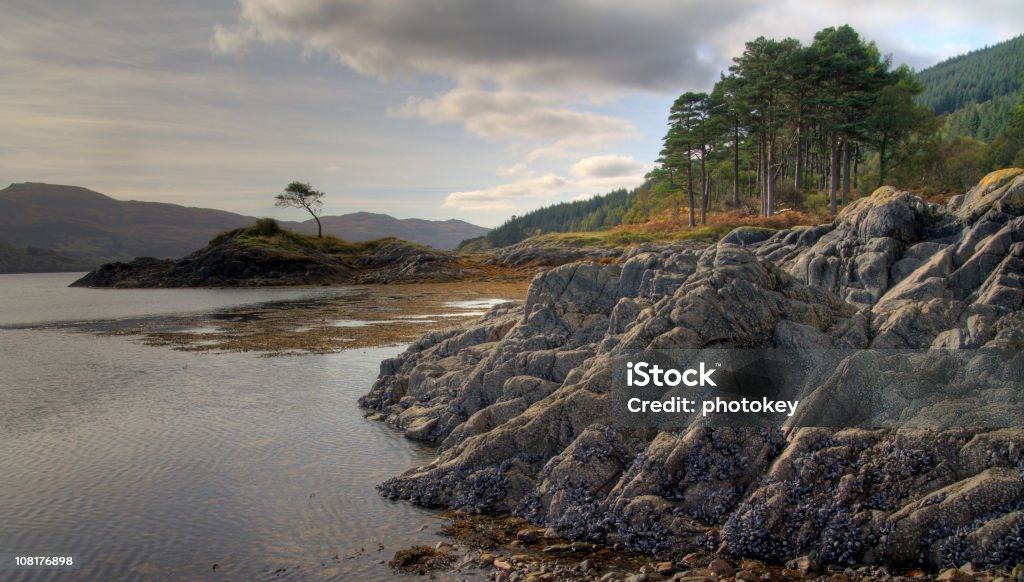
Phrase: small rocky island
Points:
(265, 254)
(517, 401)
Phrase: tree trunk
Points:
(736, 167)
(770, 179)
(797, 172)
(856, 166)
(833, 172)
(319, 229)
(846, 171)
(703, 186)
(689, 187)
(760, 171)
(881, 161)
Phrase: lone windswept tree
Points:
(302, 195)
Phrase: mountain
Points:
(86, 228)
(88, 225)
(360, 226)
(977, 90)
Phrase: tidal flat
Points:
(331, 320)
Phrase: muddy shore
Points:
(352, 318)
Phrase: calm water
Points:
(37, 298)
(156, 464)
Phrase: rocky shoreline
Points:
(510, 549)
(517, 400)
(235, 260)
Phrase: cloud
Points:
(529, 43)
(657, 45)
(516, 116)
(527, 192)
(608, 166)
(544, 126)
(529, 189)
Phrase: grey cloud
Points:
(657, 45)
(525, 43)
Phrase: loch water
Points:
(151, 463)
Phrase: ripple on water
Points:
(153, 462)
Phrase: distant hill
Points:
(594, 213)
(361, 226)
(977, 90)
(15, 259)
(88, 228)
(84, 224)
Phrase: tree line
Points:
(579, 215)
(786, 119)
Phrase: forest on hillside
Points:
(593, 213)
(791, 126)
(810, 127)
(974, 77)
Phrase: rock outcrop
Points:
(230, 262)
(517, 401)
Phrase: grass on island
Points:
(267, 233)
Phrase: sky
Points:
(432, 109)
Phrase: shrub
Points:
(265, 227)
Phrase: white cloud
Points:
(518, 117)
(234, 41)
(525, 193)
(519, 170)
(607, 166)
(529, 189)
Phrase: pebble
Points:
(527, 536)
(665, 568)
(693, 559)
(803, 564)
(752, 565)
(954, 575)
(721, 567)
